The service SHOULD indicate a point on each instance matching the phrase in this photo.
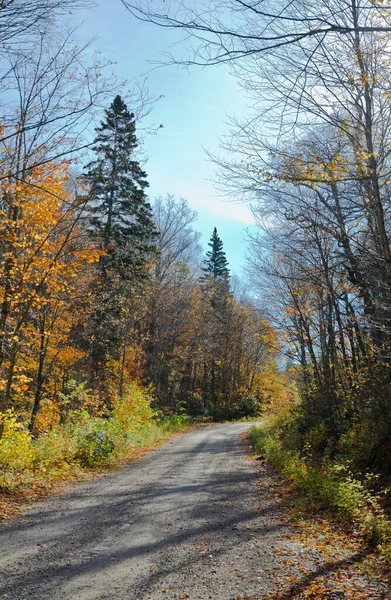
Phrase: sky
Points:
(193, 108)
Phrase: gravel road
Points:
(183, 522)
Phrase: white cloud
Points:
(202, 197)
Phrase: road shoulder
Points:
(319, 557)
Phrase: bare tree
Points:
(178, 242)
(21, 18)
(230, 30)
(49, 95)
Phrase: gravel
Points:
(184, 522)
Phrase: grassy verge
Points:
(328, 486)
(32, 467)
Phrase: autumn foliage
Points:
(105, 337)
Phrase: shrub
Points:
(84, 441)
(94, 448)
(53, 449)
(173, 422)
(16, 448)
(327, 487)
(133, 410)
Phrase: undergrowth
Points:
(327, 485)
(84, 443)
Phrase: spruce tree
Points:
(216, 264)
(120, 219)
(120, 216)
(216, 291)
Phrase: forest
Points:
(115, 326)
(115, 323)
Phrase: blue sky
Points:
(193, 111)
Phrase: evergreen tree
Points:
(216, 292)
(120, 218)
(120, 215)
(216, 264)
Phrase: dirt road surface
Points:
(184, 522)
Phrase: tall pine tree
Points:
(215, 264)
(216, 292)
(120, 219)
(120, 215)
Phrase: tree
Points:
(171, 290)
(49, 92)
(329, 106)
(42, 253)
(215, 288)
(216, 264)
(230, 30)
(120, 215)
(178, 242)
(120, 219)
(23, 17)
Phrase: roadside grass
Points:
(34, 467)
(328, 487)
